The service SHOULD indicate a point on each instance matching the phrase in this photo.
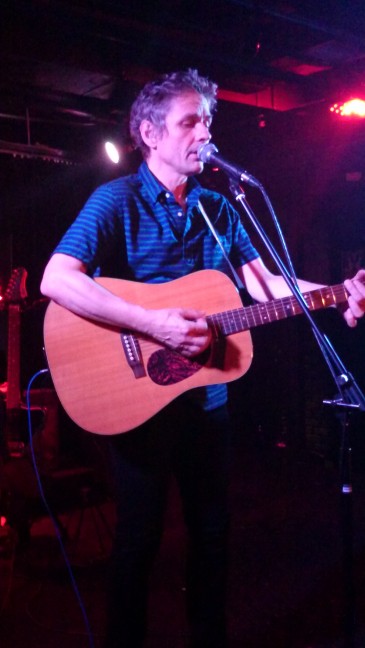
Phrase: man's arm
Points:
(65, 281)
(263, 285)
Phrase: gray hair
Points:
(154, 100)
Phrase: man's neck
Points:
(173, 182)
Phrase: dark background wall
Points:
(313, 169)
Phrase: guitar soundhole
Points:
(167, 367)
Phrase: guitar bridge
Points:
(133, 354)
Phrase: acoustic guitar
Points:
(110, 381)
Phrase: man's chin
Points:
(196, 167)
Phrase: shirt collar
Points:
(155, 188)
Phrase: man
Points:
(148, 227)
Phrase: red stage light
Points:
(351, 108)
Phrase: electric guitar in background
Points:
(13, 302)
(110, 381)
(14, 435)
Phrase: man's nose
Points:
(203, 132)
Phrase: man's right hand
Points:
(184, 330)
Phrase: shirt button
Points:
(167, 195)
(179, 213)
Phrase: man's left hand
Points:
(356, 300)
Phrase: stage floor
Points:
(287, 586)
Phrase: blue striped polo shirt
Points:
(133, 228)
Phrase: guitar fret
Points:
(263, 313)
(252, 310)
(277, 309)
(226, 323)
(309, 299)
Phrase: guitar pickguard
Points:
(168, 367)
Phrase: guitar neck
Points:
(243, 319)
(13, 374)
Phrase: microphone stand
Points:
(350, 398)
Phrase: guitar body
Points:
(96, 384)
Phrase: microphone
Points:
(208, 153)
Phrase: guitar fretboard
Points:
(242, 319)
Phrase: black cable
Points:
(49, 512)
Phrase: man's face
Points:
(186, 128)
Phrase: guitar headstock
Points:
(16, 290)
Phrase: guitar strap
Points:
(240, 286)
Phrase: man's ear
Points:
(148, 133)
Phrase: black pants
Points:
(195, 446)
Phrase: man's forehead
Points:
(191, 103)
